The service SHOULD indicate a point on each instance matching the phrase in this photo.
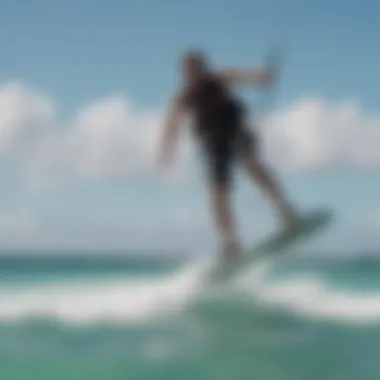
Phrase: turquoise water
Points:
(114, 318)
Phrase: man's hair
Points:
(196, 55)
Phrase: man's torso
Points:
(214, 109)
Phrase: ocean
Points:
(150, 317)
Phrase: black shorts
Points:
(220, 153)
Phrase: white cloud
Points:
(107, 139)
(113, 139)
(313, 134)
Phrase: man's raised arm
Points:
(254, 77)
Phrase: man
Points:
(219, 126)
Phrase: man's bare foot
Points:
(289, 216)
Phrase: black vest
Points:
(214, 109)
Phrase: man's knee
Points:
(246, 143)
(252, 162)
(221, 175)
(220, 190)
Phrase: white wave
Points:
(310, 296)
(124, 300)
(143, 300)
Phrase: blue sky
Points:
(79, 53)
(81, 50)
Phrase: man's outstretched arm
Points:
(175, 116)
(255, 77)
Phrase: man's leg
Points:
(261, 175)
(224, 218)
(271, 188)
(220, 155)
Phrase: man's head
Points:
(193, 64)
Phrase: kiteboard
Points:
(307, 225)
